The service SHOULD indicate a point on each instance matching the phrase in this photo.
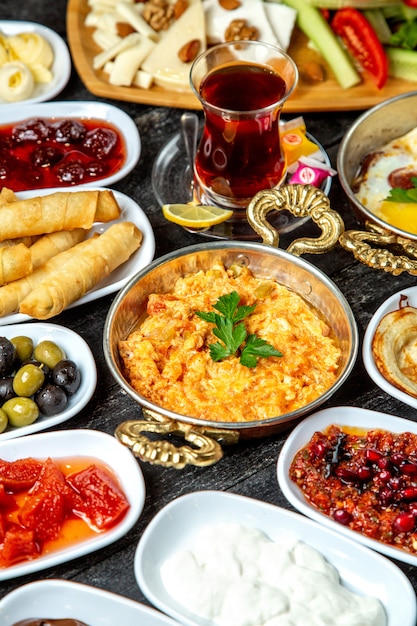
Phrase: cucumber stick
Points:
(402, 63)
(315, 27)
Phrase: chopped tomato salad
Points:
(366, 481)
(46, 505)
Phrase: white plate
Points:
(58, 599)
(87, 110)
(76, 349)
(81, 443)
(61, 67)
(121, 275)
(301, 435)
(185, 517)
(390, 305)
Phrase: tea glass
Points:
(242, 87)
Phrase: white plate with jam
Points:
(185, 517)
(62, 599)
(76, 349)
(351, 417)
(393, 303)
(130, 211)
(61, 66)
(71, 447)
(94, 115)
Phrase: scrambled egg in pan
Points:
(167, 358)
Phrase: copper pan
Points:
(265, 260)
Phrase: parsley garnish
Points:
(403, 195)
(232, 332)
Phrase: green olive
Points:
(24, 347)
(49, 353)
(3, 421)
(21, 411)
(28, 379)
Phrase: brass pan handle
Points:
(206, 448)
(301, 201)
(359, 243)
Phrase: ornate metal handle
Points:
(301, 201)
(206, 451)
(359, 243)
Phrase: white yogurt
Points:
(236, 576)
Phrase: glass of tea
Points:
(242, 86)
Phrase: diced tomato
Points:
(18, 545)
(411, 3)
(44, 511)
(325, 13)
(362, 42)
(100, 500)
(20, 474)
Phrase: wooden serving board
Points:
(309, 96)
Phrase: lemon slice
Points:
(195, 216)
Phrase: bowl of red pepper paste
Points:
(355, 470)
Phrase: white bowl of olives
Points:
(47, 375)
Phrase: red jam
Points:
(48, 505)
(41, 153)
(366, 481)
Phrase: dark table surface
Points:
(247, 468)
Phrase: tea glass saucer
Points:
(172, 182)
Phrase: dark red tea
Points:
(240, 153)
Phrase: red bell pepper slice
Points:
(44, 510)
(19, 475)
(18, 545)
(362, 42)
(98, 499)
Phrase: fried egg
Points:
(392, 165)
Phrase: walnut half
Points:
(240, 30)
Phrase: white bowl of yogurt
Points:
(209, 525)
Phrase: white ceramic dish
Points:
(84, 110)
(301, 435)
(61, 67)
(177, 524)
(390, 305)
(121, 275)
(76, 349)
(58, 599)
(87, 443)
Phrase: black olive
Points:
(51, 399)
(7, 357)
(6, 389)
(67, 375)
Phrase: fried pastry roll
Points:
(15, 262)
(50, 245)
(12, 294)
(28, 241)
(83, 271)
(64, 210)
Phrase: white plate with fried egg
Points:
(130, 211)
(61, 64)
(390, 305)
